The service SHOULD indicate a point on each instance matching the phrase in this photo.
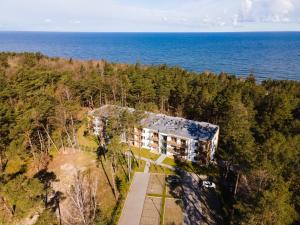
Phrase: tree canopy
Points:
(41, 99)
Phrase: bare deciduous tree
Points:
(82, 206)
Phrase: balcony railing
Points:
(137, 132)
(177, 152)
(154, 137)
(154, 145)
(174, 143)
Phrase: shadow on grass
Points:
(46, 177)
(115, 212)
(21, 171)
(100, 160)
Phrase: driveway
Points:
(191, 199)
(201, 206)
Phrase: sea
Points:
(266, 55)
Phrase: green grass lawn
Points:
(159, 169)
(141, 166)
(144, 153)
(169, 161)
(186, 165)
(192, 167)
(85, 140)
(162, 213)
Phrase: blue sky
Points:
(150, 15)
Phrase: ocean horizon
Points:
(266, 55)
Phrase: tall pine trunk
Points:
(113, 176)
(236, 184)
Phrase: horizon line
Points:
(174, 32)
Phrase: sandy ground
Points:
(173, 212)
(66, 164)
(151, 211)
(156, 184)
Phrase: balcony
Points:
(154, 144)
(130, 137)
(138, 137)
(177, 151)
(137, 131)
(183, 143)
(155, 138)
(134, 137)
(173, 143)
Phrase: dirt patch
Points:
(173, 212)
(67, 163)
(151, 211)
(156, 184)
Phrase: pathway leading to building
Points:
(193, 198)
(133, 207)
(161, 159)
(147, 166)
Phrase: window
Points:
(183, 142)
(173, 139)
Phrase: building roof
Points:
(176, 126)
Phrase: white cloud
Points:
(144, 15)
(246, 6)
(267, 10)
(235, 19)
(47, 20)
(75, 21)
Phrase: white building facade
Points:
(174, 136)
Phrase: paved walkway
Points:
(192, 198)
(161, 159)
(155, 162)
(133, 207)
(147, 166)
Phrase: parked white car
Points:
(208, 184)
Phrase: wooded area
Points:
(42, 100)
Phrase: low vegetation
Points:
(169, 161)
(160, 169)
(145, 153)
(43, 102)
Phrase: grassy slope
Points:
(85, 141)
(144, 153)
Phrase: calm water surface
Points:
(273, 55)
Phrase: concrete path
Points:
(133, 207)
(154, 162)
(147, 166)
(193, 198)
(161, 159)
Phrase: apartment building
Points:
(173, 136)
